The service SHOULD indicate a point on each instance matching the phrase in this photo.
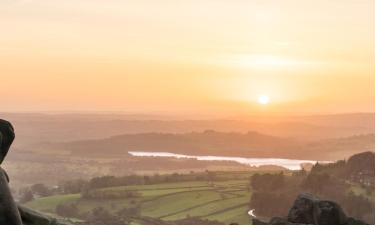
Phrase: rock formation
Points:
(309, 210)
(10, 213)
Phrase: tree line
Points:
(273, 194)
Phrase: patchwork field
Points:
(225, 201)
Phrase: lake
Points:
(291, 164)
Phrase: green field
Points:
(225, 201)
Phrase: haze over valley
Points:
(86, 145)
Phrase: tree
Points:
(73, 186)
(41, 190)
(315, 182)
(67, 210)
(267, 182)
(271, 204)
(100, 216)
(357, 206)
(210, 176)
(127, 214)
(26, 195)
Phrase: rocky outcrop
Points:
(309, 210)
(10, 213)
(30, 217)
(6, 138)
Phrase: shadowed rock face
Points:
(328, 213)
(6, 138)
(309, 210)
(10, 213)
(302, 210)
(30, 217)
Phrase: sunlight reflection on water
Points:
(291, 164)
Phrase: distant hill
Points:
(343, 148)
(363, 163)
(33, 128)
(202, 143)
(251, 144)
(359, 168)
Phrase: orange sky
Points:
(188, 56)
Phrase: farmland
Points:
(224, 201)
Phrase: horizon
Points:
(183, 116)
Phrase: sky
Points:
(188, 56)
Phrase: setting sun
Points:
(263, 99)
(187, 57)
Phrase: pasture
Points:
(224, 201)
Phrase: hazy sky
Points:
(201, 56)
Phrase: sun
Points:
(263, 99)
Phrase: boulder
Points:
(10, 213)
(329, 213)
(302, 210)
(309, 210)
(6, 138)
(279, 221)
(258, 222)
(352, 221)
(282, 221)
(30, 217)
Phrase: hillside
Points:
(250, 144)
(224, 201)
(33, 128)
(204, 143)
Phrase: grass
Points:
(224, 201)
(180, 202)
(161, 186)
(237, 215)
(212, 208)
(48, 204)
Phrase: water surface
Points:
(291, 164)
